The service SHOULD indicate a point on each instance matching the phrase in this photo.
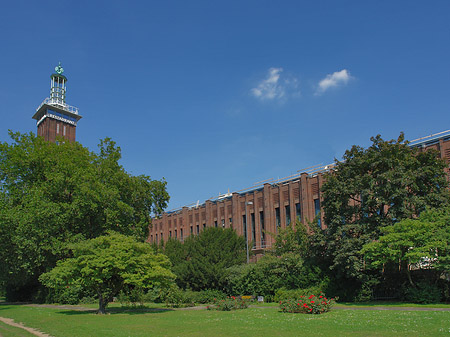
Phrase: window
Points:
(175, 234)
(223, 223)
(156, 238)
(215, 223)
(192, 230)
(230, 221)
(263, 233)
(288, 214)
(181, 234)
(253, 230)
(298, 212)
(57, 127)
(170, 234)
(317, 210)
(198, 229)
(277, 218)
(64, 130)
(204, 226)
(244, 225)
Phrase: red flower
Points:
(298, 303)
(320, 296)
(312, 301)
(311, 296)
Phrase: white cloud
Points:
(333, 80)
(273, 87)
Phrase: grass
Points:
(249, 322)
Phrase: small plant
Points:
(228, 304)
(308, 305)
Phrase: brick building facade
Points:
(267, 207)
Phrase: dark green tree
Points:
(52, 194)
(108, 264)
(373, 188)
(201, 261)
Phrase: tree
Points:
(201, 261)
(422, 243)
(373, 188)
(52, 194)
(107, 265)
(292, 239)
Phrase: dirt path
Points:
(35, 332)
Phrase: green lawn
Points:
(259, 321)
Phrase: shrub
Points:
(307, 305)
(271, 273)
(423, 293)
(131, 297)
(69, 295)
(228, 304)
(205, 296)
(285, 294)
(89, 300)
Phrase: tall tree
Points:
(373, 188)
(109, 264)
(52, 194)
(201, 261)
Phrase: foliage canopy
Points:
(422, 243)
(201, 261)
(108, 264)
(373, 188)
(52, 194)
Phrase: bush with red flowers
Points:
(308, 304)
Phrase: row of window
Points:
(287, 210)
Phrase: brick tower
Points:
(54, 117)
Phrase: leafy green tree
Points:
(292, 239)
(201, 261)
(373, 188)
(108, 264)
(270, 273)
(376, 187)
(52, 194)
(422, 243)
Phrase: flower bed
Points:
(230, 303)
(308, 305)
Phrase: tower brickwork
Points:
(55, 118)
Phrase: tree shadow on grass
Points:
(113, 311)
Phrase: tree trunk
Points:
(408, 273)
(101, 304)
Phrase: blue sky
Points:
(218, 95)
